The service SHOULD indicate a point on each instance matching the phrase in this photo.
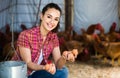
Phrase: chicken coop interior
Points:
(91, 26)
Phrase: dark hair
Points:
(52, 5)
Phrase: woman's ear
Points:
(41, 16)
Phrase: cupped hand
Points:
(50, 68)
(70, 55)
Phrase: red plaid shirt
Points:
(32, 39)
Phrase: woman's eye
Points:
(56, 19)
(49, 16)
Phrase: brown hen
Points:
(108, 49)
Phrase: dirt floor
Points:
(93, 68)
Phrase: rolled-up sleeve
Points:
(23, 40)
(55, 40)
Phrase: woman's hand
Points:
(70, 55)
(50, 67)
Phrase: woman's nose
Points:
(52, 20)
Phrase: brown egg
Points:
(47, 66)
(75, 52)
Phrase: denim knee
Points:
(41, 74)
(61, 73)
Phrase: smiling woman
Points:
(49, 20)
(37, 44)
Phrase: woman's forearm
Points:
(34, 66)
(61, 62)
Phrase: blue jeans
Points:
(60, 73)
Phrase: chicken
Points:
(76, 36)
(107, 49)
(88, 41)
(91, 29)
(101, 34)
(112, 35)
(90, 32)
(9, 35)
(114, 51)
(62, 44)
(100, 46)
(67, 34)
(8, 51)
(2, 39)
(88, 38)
(73, 44)
(84, 56)
(23, 27)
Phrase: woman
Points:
(37, 44)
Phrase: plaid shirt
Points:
(33, 40)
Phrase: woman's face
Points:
(50, 19)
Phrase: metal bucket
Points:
(13, 69)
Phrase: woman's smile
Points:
(50, 25)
